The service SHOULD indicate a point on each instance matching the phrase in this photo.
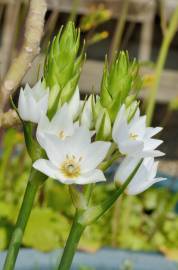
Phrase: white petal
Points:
(120, 128)
(131, 147)
(152, 153)
(56, 149)
(79, 141)
(62, 121)
(151, 144)
(91, 177)
(43, 104)
(139, 127)
(143, 186)
(42, 128)
(143, 178)
(94, 155)
(46, 167)
(87, 114)
(150, 131)
(32, 108)
(74, 104)
(125, 168)
(22, 106)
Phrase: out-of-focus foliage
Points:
(98, 15)
(88, 24)
(173, 104)
(153, 222)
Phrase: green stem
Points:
(71, 245)
(86, 217)
(170, 32)
(35, 180)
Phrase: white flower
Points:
(144, 177)
(33, 102)
(61, 125)
(134, 138)
(73, 160)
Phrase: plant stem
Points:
(86, 217)
(170, 32)
(71, 245)
(35, 180)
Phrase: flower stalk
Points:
(83, 218)
(169, 35)
(35, 180)
(71, 244)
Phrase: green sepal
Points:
(35, 151)
(78, 198)
(103, 126)
(53, 100)
(105, 97)
(69, 89)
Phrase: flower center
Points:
(62, 135)
(133, 136)
(71, 167)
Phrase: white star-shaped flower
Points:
(61, 125)
(135, 138)
(144, 177)
(33, 102)
(73, 160)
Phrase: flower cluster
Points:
(82, 138)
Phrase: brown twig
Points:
(9, 119)
(30, 48)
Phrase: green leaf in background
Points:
(46, 230)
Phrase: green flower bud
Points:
(63, 66)
(131, 109)
(103, 126)
(118, 82)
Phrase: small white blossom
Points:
(61, 125)
(134, 138)
(33, 102)
(73, 160)
(144, 177)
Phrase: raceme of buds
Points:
(77, 139)
(134, 138)
(63, 66)
(33, 102)
(143, 179)
(118, 82)
(73, 160)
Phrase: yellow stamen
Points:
(70, 167)
(62, 135)
(133, 136)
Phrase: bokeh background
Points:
(147, 222)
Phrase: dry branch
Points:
(30, 48)
(9, 119)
